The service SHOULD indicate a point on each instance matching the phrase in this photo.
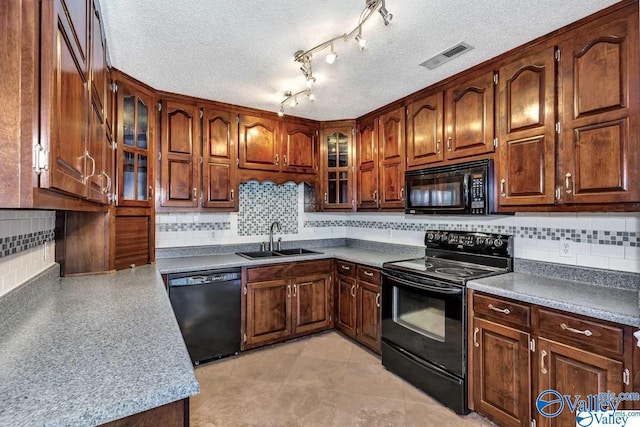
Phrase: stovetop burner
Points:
(453, 271)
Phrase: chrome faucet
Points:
(275, 225)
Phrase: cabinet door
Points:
(600, 98)
(392, 158)
(368, 324)
(180, 129)
(64, 95)
(573, 371)
(299, 148)
(501, 373)
(98, 180)
(133, 242)
(367, 157)
(135, 138)
(268, 311)
(469, 124)
(337, 167)
(527, 142)
(346, 305)
(219, 183)
(312, 307)
(98, 59)
(424, 131)
(259, 148)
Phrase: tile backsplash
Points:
(27, 245)
(600, 240)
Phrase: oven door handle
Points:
(439, 289)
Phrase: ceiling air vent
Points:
(446, 55)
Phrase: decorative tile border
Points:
(192, 226)
(21, 242)
(600, 237)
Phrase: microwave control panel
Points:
(478, 194)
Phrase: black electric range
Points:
(424, 310)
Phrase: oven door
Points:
(426, 318)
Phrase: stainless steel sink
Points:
(272, 254)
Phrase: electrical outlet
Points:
(566, 248)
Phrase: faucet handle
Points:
(263, 246)
(279, 243)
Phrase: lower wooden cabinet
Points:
(513, 360)
(286, 300)
(501, 374)
(358, 312)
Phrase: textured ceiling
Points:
(241, 51)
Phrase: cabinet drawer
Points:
(346, 268)
(502, 309)
(368, 274)
(580, 331)
(288, 270)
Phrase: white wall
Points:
(538, 236)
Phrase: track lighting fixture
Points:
(304, 57)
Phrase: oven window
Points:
(437, 192)
(419, 313)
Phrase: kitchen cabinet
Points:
(299, 147)
(381, 161)
(518, 350)
(337, 167)
(358, 312)
(259, 146)
(134, 238)
(180, 154)
(285, 300)
(469, 108)
(527, 137)
(425, 118)
(600, 99)
(219, 180)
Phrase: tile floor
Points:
(324, 380)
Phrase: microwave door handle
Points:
(465, 191)
(441, 290)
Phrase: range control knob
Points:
(488, 241)
(429, 236)
(479, 240)
(498, 243)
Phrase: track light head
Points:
(362, 43)
(331, 56)
(386, 16)
(281, 111)
(312, 96)
(309, 82)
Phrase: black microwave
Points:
(460, 189)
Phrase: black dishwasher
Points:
(207, 307)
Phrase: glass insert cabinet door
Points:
(338, 179)
(134, 134)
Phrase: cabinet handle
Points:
(557, 193)
(93, 166)
(277, 160)
(284, 159)
(375, 195)
(449, 144)
(345, 267)
(353, 291)
(150, 191)
(626, 376)
(567, 183)
(106, 189)
(326, 197)
(475, 337)
(543, 354)
(368, 273)
(438, 146)
(402, 193)
(288, 291)
(502, 185)
(586, 332)
(232, 194)
(378, 300)
(195, 194)
(294, 289)
(499, 310)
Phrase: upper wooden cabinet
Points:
(299, 148)
(367, 156)
(219, 135)
(99, 73)
(600, 98)
(425, 119)
(135, 135)
(469, 117)
(527, 137)
(337, 168)
(180, 154)
(259, 143)
(391, 129)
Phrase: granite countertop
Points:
(193, 263)
(95, 349)
(600, 302)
